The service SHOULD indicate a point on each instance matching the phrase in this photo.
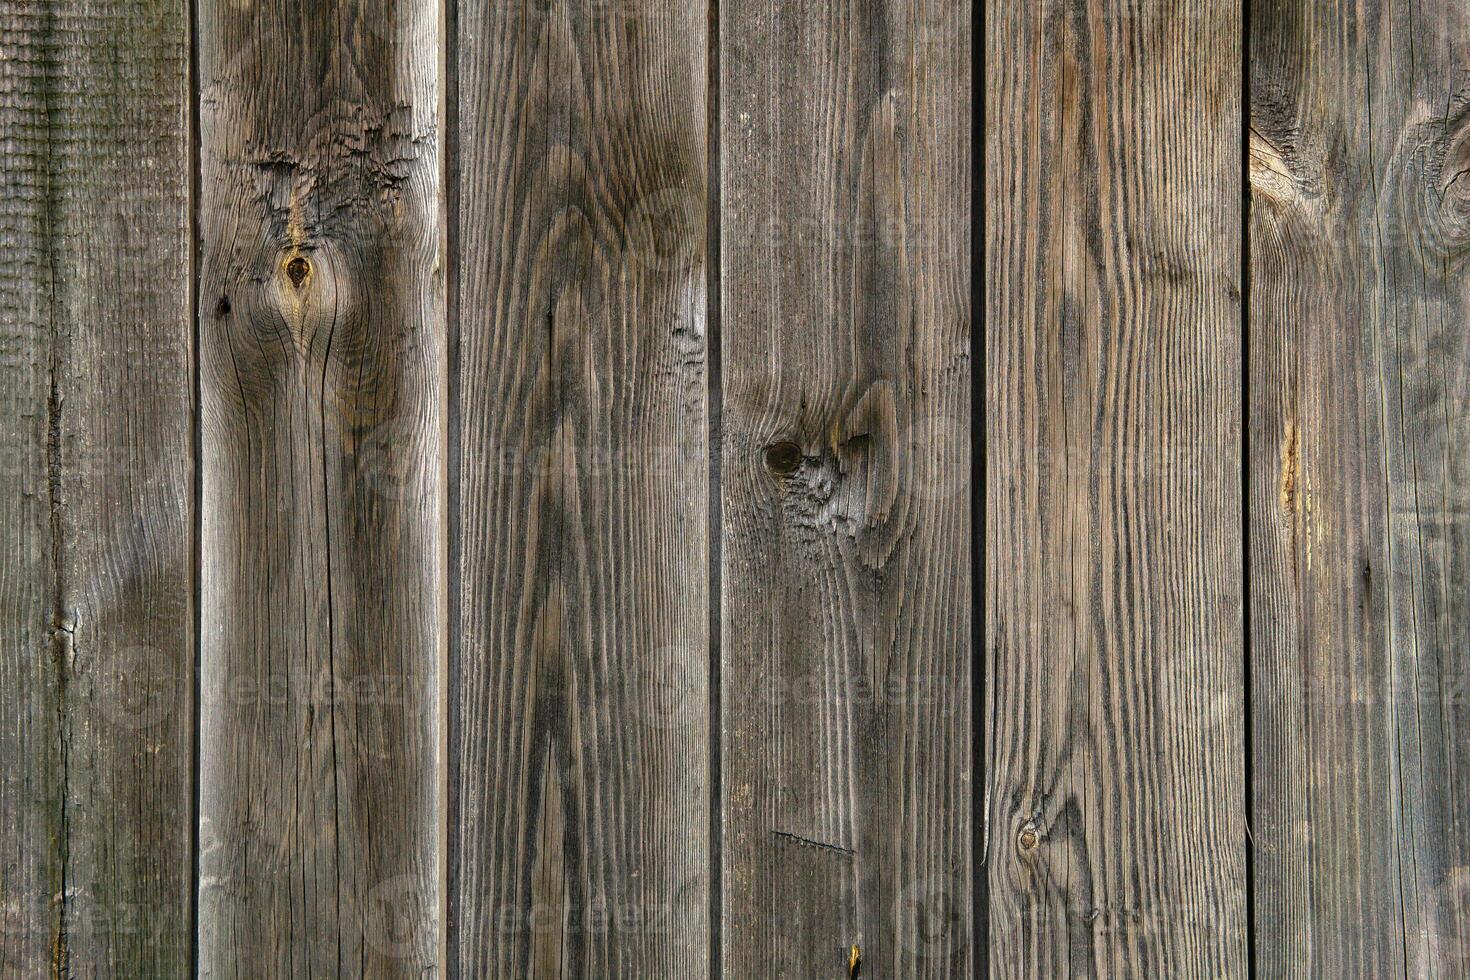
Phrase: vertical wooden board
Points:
(96, 490)
(1360, 535)
(847, 782)
(321, 346)
(580, 746)
(1115, 782)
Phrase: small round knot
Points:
(298, 270)
(784, 458)
(1028, 838)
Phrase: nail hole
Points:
(784, 458)
(297, 270)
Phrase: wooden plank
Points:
(580, 746)
(845, 183)
(1360, 534)
(322, 346)
(1115, 836)
(96, 490)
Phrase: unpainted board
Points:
(322, 448)
(580, 742)
(96, 490)
(1114, 673)
(848, 776)
(1360, 487)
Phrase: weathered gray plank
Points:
(580, 749)
(96, 478)
(1116, 839)
(1360, 487)
(321, 345)
(845, 181)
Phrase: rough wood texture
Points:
(845, 178)
(491, 495)
(96, 476)
(1115, 783)
(580, 747)
(321, 343)
(1360, 512)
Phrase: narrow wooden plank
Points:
(580, 749)
(1360, 535)
(845, 181)
(321, 344)
(1116, 840)
(96, 490)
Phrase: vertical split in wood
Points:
(1359, 373)
(322, 440)
(96, 611)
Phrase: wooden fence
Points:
(501, 488)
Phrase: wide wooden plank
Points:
(96, 490)
(580, 742)
(1114, 680)
(322, 347)
(1360, 486)
(845, 229)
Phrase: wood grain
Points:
(847, 783)
(580, 743)
(96, 477)
(1115, 831)
(323, 391)
(1360, 530)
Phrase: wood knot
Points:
(298, 270)
(1289, 463)
(1028, 839)
(1455, 161)
(1425, 202)
(784, 458)
(1270, 176)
